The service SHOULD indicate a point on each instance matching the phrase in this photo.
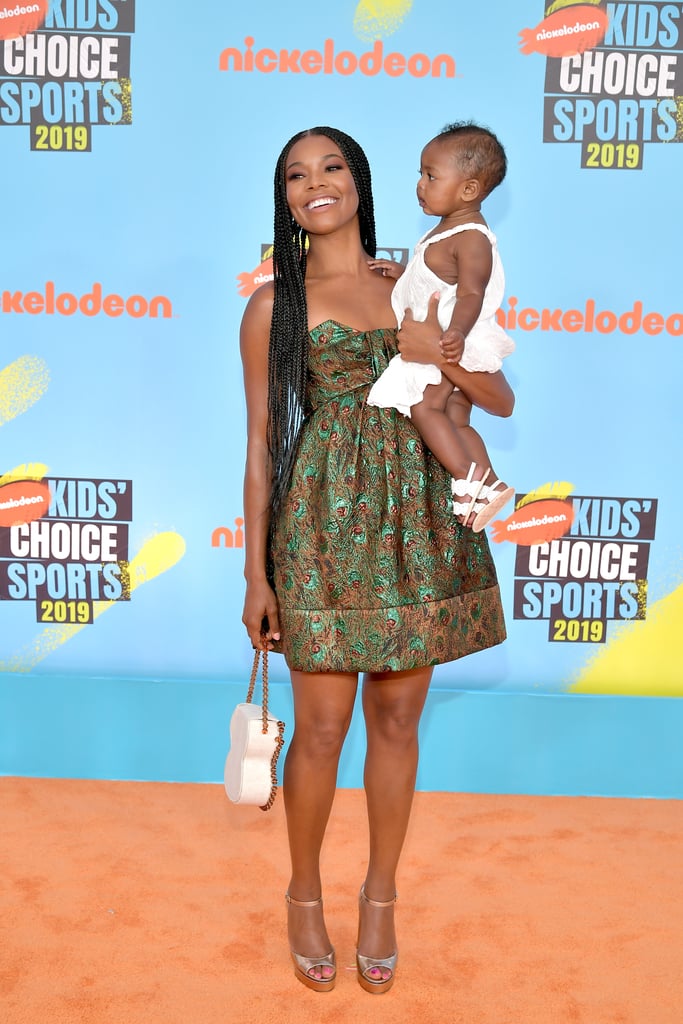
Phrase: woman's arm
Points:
(418, 342)
(260, 602)
(489, 391)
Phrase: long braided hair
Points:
(288, 350)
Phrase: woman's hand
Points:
(261, 616)
(418, 340)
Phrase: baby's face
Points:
(442, 187)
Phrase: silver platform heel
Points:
(365, 964)
(304, 964)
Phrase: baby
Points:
(458, 259)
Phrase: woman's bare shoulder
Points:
(255, 326)
(260, 304)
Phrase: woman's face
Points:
(321, 192)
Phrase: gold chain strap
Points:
(279, 743)
(280, 739)
(254, 670)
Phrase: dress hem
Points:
(392, 639)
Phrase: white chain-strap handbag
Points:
(256, 739)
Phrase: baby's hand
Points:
(452, 344)
(387, 268)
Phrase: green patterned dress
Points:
(371, 569)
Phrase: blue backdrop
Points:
(139, 140)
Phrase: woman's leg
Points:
(392, 705)
(323, 705)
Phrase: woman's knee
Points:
(394, 723)
(393, 704)
(322, 714)
(320, 740)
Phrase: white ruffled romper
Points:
(402, 384)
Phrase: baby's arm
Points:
(475, 261)
(418, 341)
(388, 268)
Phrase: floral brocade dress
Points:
(371, 570)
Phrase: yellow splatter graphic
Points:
(560, 490)
(377, 18)
(679, 119)
(29, 471)
(156, 556)
(126, 100)
(643, 658)
(559, 4)
(22, 384)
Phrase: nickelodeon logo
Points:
(589, 318)
(329, 61)
(20, 19)
(563, 34)
(224, 537)
(93, 303)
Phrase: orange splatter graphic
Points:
(566, 32)
(535, 523)
(18, 19)
(253, 279)
(22, 501)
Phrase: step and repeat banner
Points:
(138, 142)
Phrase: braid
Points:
(288, 351)
(287, 357)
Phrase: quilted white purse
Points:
(256, 739)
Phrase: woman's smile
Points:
(319, 201)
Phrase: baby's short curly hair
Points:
(477, 151)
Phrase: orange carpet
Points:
(152, 903)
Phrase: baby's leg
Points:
(475, 503)
(438, 430)
(459, 409)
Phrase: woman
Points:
(354, 561)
